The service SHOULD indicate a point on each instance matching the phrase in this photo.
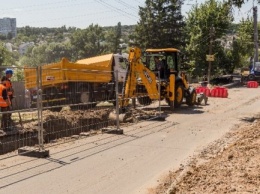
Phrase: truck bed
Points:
(95, 69)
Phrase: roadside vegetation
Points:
(161, 24)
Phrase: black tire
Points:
(85, 96)
(251, 77)
(144, 100)
(179, 94)
(191, 98)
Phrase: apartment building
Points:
(8, 25)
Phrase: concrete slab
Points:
(115, 131)
(33, 152)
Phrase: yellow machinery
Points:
(87, 81)
(143, 84)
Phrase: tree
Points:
(47, 53)
(5, 56)
(9, 35)
(56, 51)
(239, 3)
(161, 24)
(112, 38)
(86, 42)
(207, 22)
(246, 40)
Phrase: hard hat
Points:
(9, 71)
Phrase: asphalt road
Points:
(133, 162)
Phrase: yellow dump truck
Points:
(86, 81)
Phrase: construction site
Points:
(144, 129)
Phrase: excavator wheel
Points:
(179, 94)
(191, 98)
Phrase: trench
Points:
(56, 125)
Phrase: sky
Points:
(82, 13)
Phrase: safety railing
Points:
(64, 104)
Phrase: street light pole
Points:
(210, 50)
(255, 33)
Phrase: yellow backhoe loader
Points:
(145, 84)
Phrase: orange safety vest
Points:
(9, 87)
(2, 101)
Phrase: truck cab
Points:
(253, 72)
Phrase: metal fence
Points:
(57, 104)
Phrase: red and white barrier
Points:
(204, 90)
(252, 84)
(220, 92)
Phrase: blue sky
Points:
(82, 13)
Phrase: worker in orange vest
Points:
(5, 104)
(9, 88)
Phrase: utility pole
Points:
(255, 33)
(210, 50)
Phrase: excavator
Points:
(145, 84)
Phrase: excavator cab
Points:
(171, 59)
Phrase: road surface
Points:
(130, 163)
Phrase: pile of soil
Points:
(229, 165)
(66, 123)
(67, 120)
(135, 115)
(87, 120)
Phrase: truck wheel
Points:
(191, 98)
(85, 96)
(179, 93)
(144, 100)
(251, 77)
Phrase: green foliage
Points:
(87, 42)
(112, 38)
(239, 3)
(160, 24)
(3, 37)
(46, 53)
(212, 17)
(5, 56)
(246, 40)
(29, 31)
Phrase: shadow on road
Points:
(22, 171)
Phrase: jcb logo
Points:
(148, 76)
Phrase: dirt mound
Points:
(230, 165)
(65, 123)
(67, 119)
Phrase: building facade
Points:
(8, 25)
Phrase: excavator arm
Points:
(137, 69)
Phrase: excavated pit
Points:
(55, 125)
(65, 123)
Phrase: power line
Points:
(121, 11)
(40, 5)
(127, 5)
(52, 8)
(77, 16)
(116, 9)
